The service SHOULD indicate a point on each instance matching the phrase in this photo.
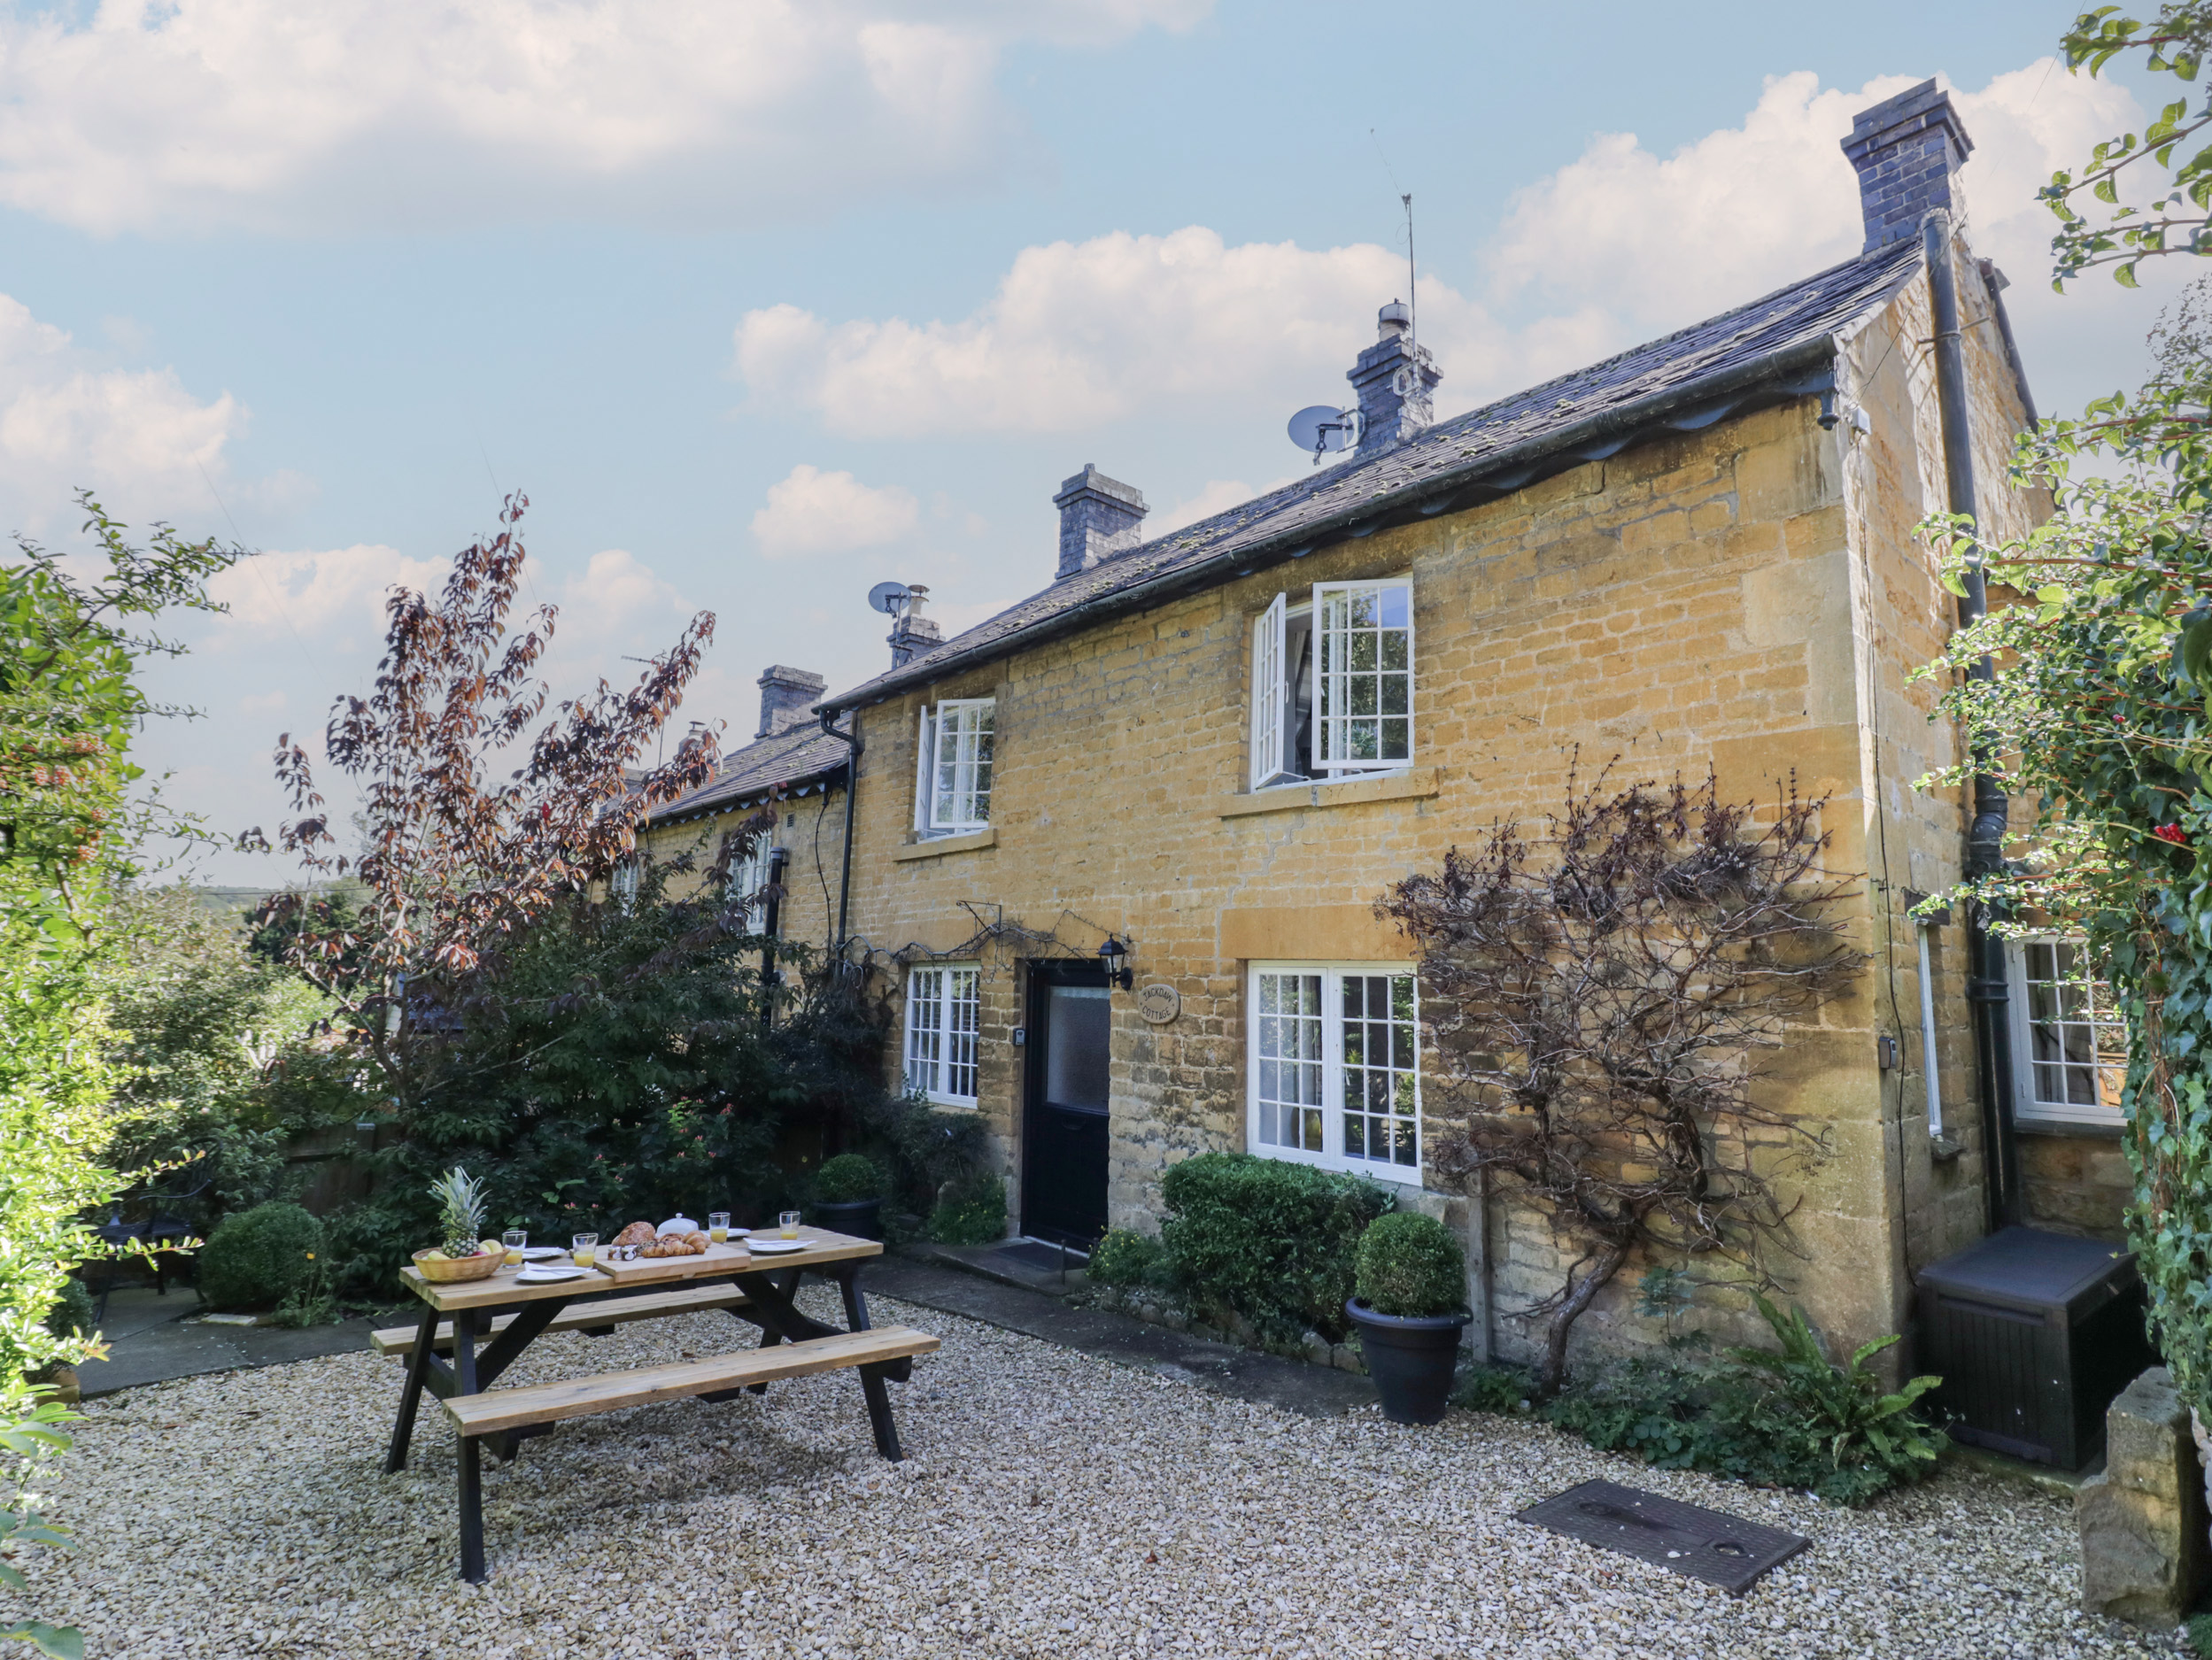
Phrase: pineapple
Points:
(461, 1210)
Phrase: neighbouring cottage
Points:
(1216, 748)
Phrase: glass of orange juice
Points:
(583, 1248)
(787, 1223)
(718, 1226)
(515, 1240)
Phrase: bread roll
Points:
(637, 1233)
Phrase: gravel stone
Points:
(1051, 1506)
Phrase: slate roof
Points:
(797, 755)
(1776, 347)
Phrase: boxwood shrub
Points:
(1409, 1264)
(1127, 1259)
(846, 1178)
(1269, 1240)
(971, 1212)
(258, 1257)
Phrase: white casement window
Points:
(1333, 683)
(1334, 1059)
(622, 883)
(748, 876)
(2068, 1043)
(941, 1008)
(952, 767)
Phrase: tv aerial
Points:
(889, 598)
(1319, 429)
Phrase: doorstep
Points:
(1021, 1263)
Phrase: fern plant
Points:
(461, 1206)
(1865, 1434)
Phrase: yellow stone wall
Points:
(1749, 596)
(811, 828)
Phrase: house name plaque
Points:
(1159, 1002)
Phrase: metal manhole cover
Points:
(1699, 1544)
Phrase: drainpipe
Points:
(1987, 981)
(851, 740)
(771, 922)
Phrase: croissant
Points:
(698, 1242)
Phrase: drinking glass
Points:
(718, 1226)
(582, 1246)
(515, 1240)
(787, 1223)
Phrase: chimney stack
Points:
(786, 695)
(1394, 378)
(1099, 517)
(1908, 150)
(914, 635)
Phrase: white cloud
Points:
(813, 512)
(1082, 334)
(1218, 495)
(162, 114)
(135, 435)
(1618, 246)
(1623, 244)
(335, 594)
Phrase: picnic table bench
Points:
(508, 1317)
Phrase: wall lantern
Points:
(1113, 956)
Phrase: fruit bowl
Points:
(446, 1270)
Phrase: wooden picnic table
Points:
(758, 1289)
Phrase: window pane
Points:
(1077, 1044)
(1287, 1033)
(2076, 1042)
(1381, 1093)
(1365, 672)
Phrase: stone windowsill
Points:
(937, 846)
(1413, 784)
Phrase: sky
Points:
(762, 303)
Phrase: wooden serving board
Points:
(645, 1270)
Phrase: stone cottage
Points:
(1100, 833)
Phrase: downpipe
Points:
(852, 741)
(1988, 983)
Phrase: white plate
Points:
(541, 1252)
(775, 1248)
(535, 1275)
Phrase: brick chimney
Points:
(786, 695)
(914, 635)
(1908, 150)
(1099, 517)
(1393, 383)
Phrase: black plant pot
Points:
(1411, 1358)
(862, 1218)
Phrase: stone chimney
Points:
(914, 635)
(1099, 517)
(786, 695)
(1908, 150)
(1393, 383)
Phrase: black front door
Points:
(1063, 1123)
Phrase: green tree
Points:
(70, 648)
(2096, 227)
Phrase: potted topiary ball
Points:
(848, 1196)
(1410, 1310)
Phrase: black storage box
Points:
(2033, 1334)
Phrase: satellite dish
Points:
(1319, 429)
(888, 598)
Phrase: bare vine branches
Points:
(1595, 1017)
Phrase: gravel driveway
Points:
(1051, 1505)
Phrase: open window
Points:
(1333, 683)
(2070, 1045)
(952, 767)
